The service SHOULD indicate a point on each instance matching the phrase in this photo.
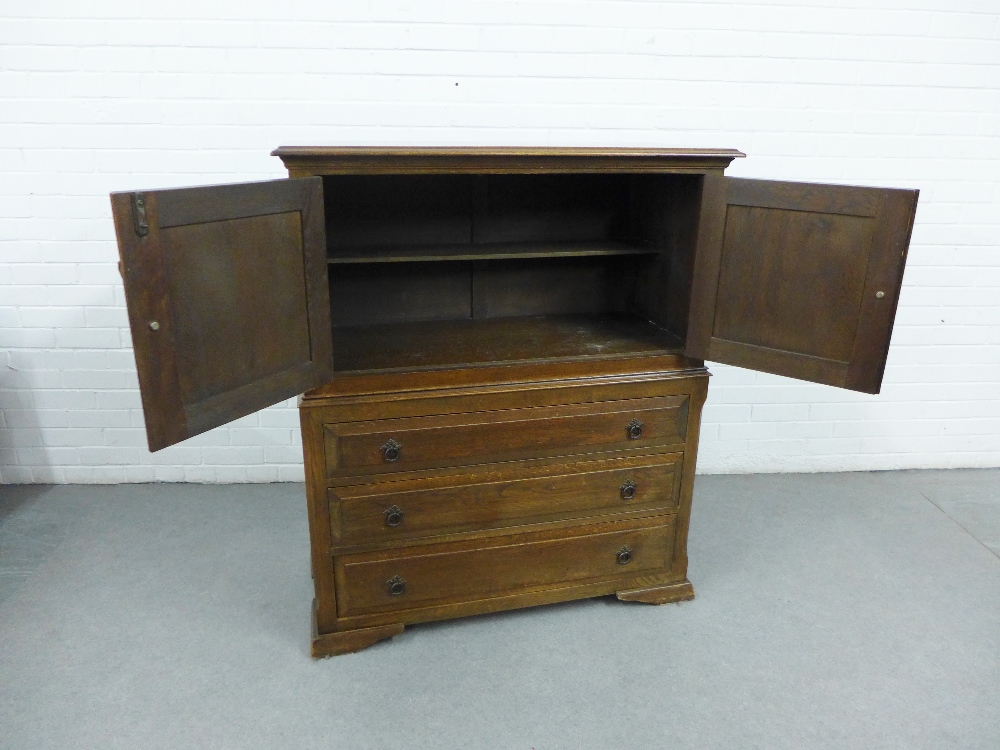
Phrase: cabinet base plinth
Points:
(348, 641)
(674, 592)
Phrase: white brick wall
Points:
(103, 96)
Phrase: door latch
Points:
(139, 214)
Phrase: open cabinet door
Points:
(228, 300)
(799, 279)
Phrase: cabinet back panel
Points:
(362, 294)
(369, 210)
(552, 286)
(532, 208)
(373, 293)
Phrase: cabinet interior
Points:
(430, 271)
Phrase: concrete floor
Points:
(833, 611)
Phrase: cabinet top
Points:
(313, 160)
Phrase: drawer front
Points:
(390, 445)
(439, 574)
(388, 511)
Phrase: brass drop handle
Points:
(627, 490)
(391, 451)
(634, 429)
(624, 555)
(396, 586)
(393, 515)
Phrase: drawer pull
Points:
(391, 450)
(396, 586)
(624, 555)
(634, 429)
(627, 490)
(393, 516)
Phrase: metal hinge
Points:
(139, 214)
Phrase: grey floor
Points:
(833, 611)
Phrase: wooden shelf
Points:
(486, 251)
(461, 343)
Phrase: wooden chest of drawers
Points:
(505, 348)
(428, 501)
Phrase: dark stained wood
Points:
(206, 204)
(480, 289)
(491, 251)
(441, 344)
(348, 641)
(795, 268)
(303, 161)
(228, 301)
(672, 592)
(684, 201)
(518, 375)
(240, 250)
(780, 361)
(665, 218)
(320, 540)
(885, 274)
(533, 244)
(372, 294)
(531, 597)
(707, 264)
(577, 386)
(842, 200)
(366, 295)
(553, 208)
(502, 314)
(574, 286)
(483, 437)
(469, 570)
(763, 250)
(501, 488)
(698, 389)
(364, 212)
(535, 494)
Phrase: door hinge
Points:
(139, 214)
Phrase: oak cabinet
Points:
(502, 351)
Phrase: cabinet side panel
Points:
(685, 201)
(699, 391)
(320, 532)
(666, 217)
(707, 264)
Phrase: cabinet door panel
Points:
(228, 300)
(802, 280)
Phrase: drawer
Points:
(431, 575)
(388, 511)
(390, 445)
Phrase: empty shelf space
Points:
(485, 251)
(451, 343)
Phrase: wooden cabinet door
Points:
(799, 279)
(228, 300)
